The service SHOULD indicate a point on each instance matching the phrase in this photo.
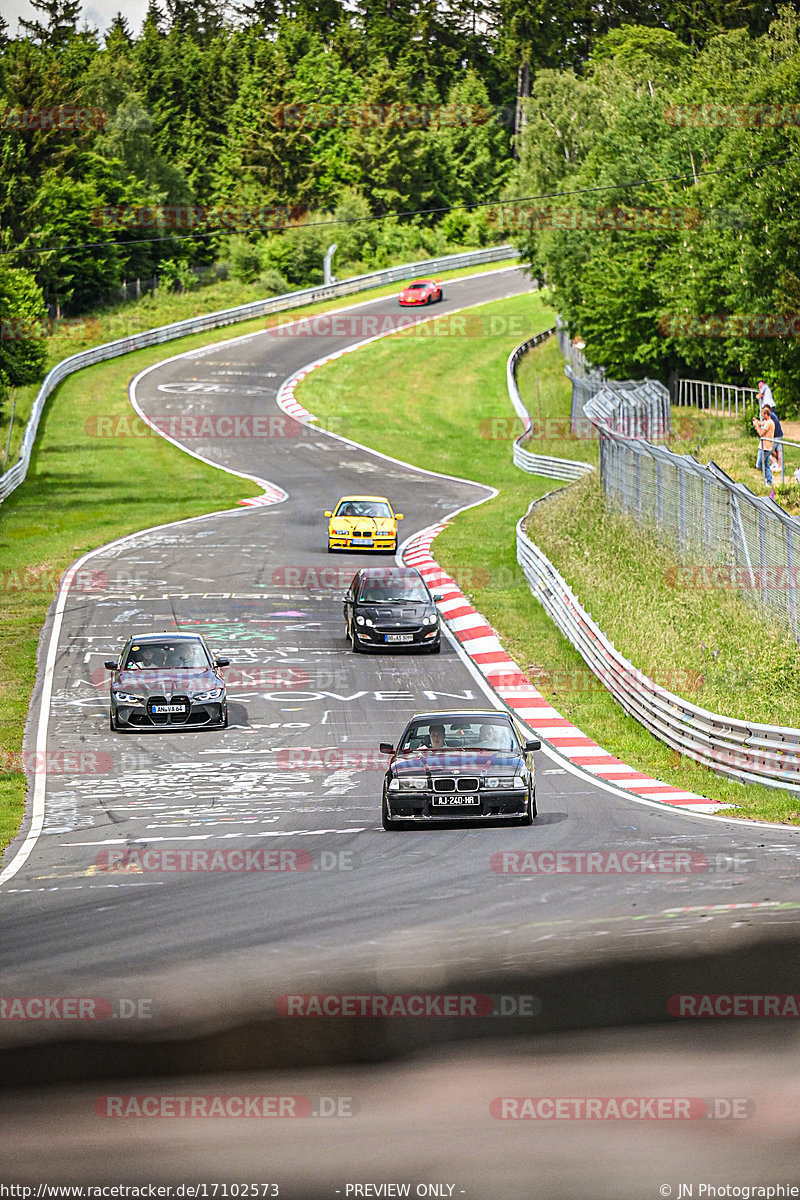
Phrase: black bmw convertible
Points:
(470, 766)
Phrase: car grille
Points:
(449, 783)
(168, 718)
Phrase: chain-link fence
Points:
(708, 517)
(586, 380)
(632, 409)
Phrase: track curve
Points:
(258, 583)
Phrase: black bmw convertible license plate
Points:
(454, 801)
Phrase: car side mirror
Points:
(533, 744)
(386, 748)
(437, 596)
(222, 662)
(328, 512)
(110, 664)
(398, 516)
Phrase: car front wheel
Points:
(386, 820)
(354, 642)
(530, 810)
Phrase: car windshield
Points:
(363, 508)
(171, 656)
(384, 586)
(417, 287)
(459, 734)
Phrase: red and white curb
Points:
(482, 645)
(286, 398)
(272, 495)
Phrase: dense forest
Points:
(243, 138)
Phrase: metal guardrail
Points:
(782, 443)
(722, 399)
(743, 750)
(536, 464)
(243, 312)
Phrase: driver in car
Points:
(435, 738)
(493, 737)
(150, 658)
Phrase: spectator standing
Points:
(777, 449)
(765, 428)
(765, 394)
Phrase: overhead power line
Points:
(417, 212)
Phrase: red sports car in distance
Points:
(421, 291)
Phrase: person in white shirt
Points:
(765, 394)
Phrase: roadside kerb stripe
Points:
(519, 694)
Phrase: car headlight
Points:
(408, 783)
(128, 698)
(520, 781)
(429, 620)
(211, 694)
(340, 532)
(364, 621)
(500, 781)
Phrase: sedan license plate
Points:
(158, 709)
(362, 541)
(399, 637)
(453, 801)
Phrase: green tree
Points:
(22, 321)
(59, 23)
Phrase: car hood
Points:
(403, 610)
(157, 682)
(480, 762)
(362, 523)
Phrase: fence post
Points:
(745, 547)
(707, 515)
(10, 427)
(791, 593)
(762, 556)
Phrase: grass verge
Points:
(387, 387)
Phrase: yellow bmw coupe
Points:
(363, 523)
